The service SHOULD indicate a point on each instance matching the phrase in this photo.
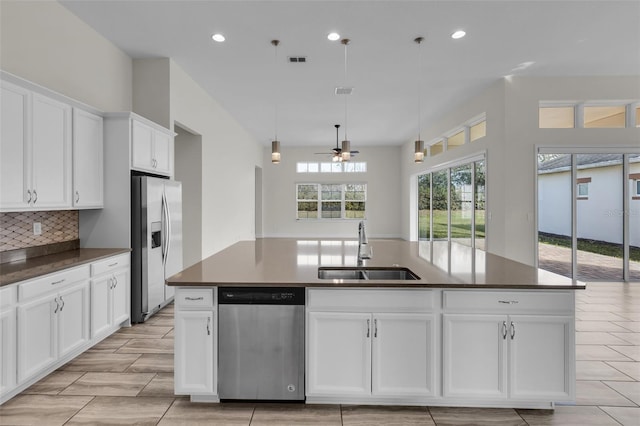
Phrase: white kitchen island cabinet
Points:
(364, 356)
(196, 341)
(526, 353)
(502, 336)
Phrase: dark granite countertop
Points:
(20, 270)
(295, 262)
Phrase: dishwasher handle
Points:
(261, 296)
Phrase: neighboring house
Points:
(599, 193)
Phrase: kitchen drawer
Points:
(8, 295)
(110, 264)
(194, 298)
(365, 300)
(508, 301)
(53, 282)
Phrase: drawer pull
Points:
(194, 298)
(508, 302)
(57, 282)
(113, 264)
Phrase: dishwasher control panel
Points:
(261, 295)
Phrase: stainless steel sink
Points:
(373, 273)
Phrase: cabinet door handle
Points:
(368, 328)
(113, 264)
(375, 327)
(29, 194)
(55, 311)
(194, 298)
(208, 326)
(504, 330)
(35, 196)
(513, 330)
(77, 196)
(110, 281)
(61, 307)
(57, 282)
(115, 282)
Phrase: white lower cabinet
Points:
(513, 356)
(7, 338)
(339, 353)
(110, 292)
(368, 355)
(50, 327)
(194, 352)
(196, 330)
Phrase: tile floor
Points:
(128, 379)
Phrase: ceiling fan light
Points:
(418, 155)
(275, 152)
(346, 151)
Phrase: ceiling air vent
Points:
(344, 90)
(297, 59)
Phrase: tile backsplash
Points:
(16, 229)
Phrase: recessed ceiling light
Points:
(333, 36)
(218, 37)
(458, 34)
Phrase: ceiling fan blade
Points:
(323, 153)
(355, 152)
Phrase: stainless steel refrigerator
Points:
(156, 242)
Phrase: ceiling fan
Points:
(336, 152)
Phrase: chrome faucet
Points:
(364, 251)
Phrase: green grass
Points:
(460, 227)
(591, 246)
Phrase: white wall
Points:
(511, 105)
(229, 158)
(383, 208)
(43, 42)
(599, 216)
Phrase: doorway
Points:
(188, 170)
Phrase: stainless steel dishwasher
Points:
(261, 343)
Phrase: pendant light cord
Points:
(419, 40)
(275, 43)
(346, 43)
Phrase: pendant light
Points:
(418, 155)
(275, 143)
(345, 154)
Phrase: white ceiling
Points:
(559, 37)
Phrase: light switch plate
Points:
(37, 228)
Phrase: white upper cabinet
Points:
(51, 154)
(87, 160)
(151, 149)
(15, 147)
(36, 151)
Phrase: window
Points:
(604, 116)
(451, 204)
(455, 140)
(331, 167)
(556, 117)
(636, 189)
(582, 190)
(638, 116)
(478, 131)
(436, 148)
(331, 200)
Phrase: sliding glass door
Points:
(587, 215)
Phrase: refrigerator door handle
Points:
(168, 216)
(165, 230)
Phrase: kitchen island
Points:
(473, 329)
